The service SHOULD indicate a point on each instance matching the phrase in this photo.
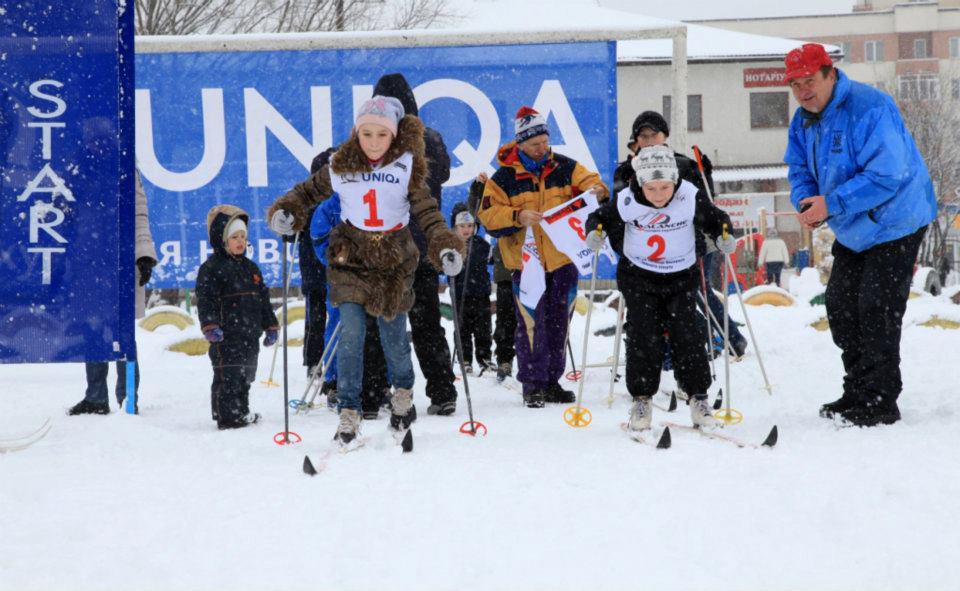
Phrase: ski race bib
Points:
(565, 226)
(533, 277)
(660, 240)
(376, 201)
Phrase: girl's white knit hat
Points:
(384, 111)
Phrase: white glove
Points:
(452, 261)
(282, 222)
(727, 245)
(595, 240)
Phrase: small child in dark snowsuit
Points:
(234, 307)
(656, 225)
(473, 291)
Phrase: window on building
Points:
(954, 47)
(846, 48)
(694, 111)
(919, 87)
(769, 109)
(920, 48)
(955, 89)
(873, 51)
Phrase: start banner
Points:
(66, 181)
(243, 127)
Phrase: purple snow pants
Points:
(542, 335)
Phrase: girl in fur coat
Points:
(379, 176)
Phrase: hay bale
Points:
(294, 312)
(180, 319)
(937, 322)
(194, 347)
(822, 325)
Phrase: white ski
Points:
(770, 441)
(646, 437)
(24, 441)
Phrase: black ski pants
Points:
(866, 298)
(649, 316)
(506, 330)
(234, 363)
(315, 325)
(475, 328)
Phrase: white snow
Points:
(164, 501)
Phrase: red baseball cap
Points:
(805, 60)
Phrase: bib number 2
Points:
(370, 199)
(659, 245)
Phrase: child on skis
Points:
(234, 307)
(473, 292)
(656, 225)
(379, 175)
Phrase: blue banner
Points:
(66, 182)
(243, 127)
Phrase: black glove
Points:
(145, 266)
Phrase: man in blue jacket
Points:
(854, 165)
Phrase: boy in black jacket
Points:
(656, 225)
(473, 290)
(234, 307)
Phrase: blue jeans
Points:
(396, 349)
(97, 381)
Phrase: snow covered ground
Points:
(165, 501)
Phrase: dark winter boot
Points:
(329, 389)
(839, 406)
(442, 408)
(534, 399)
(875, 411)
(240, 423)
(555, 394)
(402, 411)
(89, 408)
(504, 371)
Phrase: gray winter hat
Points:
(655, 163)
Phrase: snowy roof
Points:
(757, 173)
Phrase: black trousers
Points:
(475, 328)
(866, 298)
(315, 324)
(649, 316)
(506, 322)
(773, 272)
(234, 369)
(429, 339)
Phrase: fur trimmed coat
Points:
(374, 269)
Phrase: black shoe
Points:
(371, 414)
(872, 413)
(329, 389)
(838, 406)
(443, 409)
(535, 399)
(739, 346)
(244, 421)
(89, 408)
(504, 370)
(555, 394)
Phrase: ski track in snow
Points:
(165, 501)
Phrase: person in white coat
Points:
(773, 255)
(95, 399)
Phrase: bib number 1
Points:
(370, 199)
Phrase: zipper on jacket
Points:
(816, 143)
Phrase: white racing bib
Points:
(376, 201)
(660, 240)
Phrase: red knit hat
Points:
(529, 123)
(805, 60)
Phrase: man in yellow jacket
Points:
(532, 179)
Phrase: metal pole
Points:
(621, 309)
(746, 317)
(458, 346)
(586, 331)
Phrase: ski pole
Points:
(572, 375)
(727, 416)
(471, 427)
(703, 174)
(753, 337)
(287, 272)
(621, 309)
(320, 369)
(706, 308)
(578, 416)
